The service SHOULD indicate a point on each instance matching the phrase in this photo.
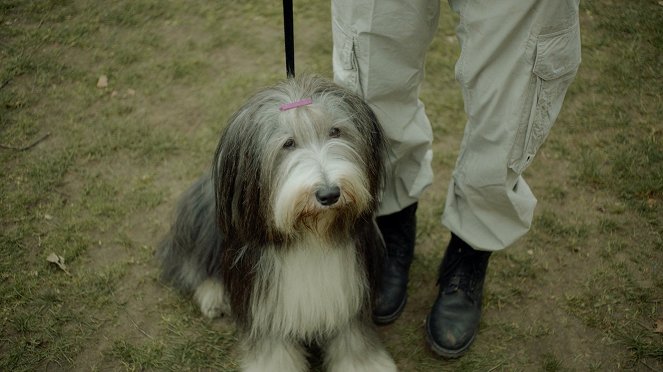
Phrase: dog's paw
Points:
(372, 363)
(211, 298)
(357, 349)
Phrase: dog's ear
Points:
(237, 179)
(371, 131)
(377, 142)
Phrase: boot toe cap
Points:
(389, 305)
(452, 326)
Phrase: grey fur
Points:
(191, 251)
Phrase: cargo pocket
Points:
(346, 64)
(555, 65)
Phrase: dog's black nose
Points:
(328, 195)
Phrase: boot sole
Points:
(444, 352)
(388, 319)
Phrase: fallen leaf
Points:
(58, 260)
(659, 326)
(651, 202)
(54, 258)
(102, 82)
(131, 92)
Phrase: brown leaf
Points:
(659, 326)
(57, 260)
(102, 82)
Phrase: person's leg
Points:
(517, 59)
(379, 52)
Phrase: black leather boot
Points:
(454, 319)
(399, 231)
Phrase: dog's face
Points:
(316, 167)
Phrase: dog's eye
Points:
(289, 144)
(334, 132)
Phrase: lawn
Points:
(109, 110)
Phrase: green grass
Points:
(582, 291)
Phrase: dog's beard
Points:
(297, 210)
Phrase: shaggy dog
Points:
(282, 234)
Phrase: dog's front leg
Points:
(211, 298)
(356, 348)
(272, 354)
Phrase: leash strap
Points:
(289, 32)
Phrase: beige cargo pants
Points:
(517, 59)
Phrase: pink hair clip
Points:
(292, 105)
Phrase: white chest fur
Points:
(308, 290)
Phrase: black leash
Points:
(289, 31)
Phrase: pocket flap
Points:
(557, 54)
